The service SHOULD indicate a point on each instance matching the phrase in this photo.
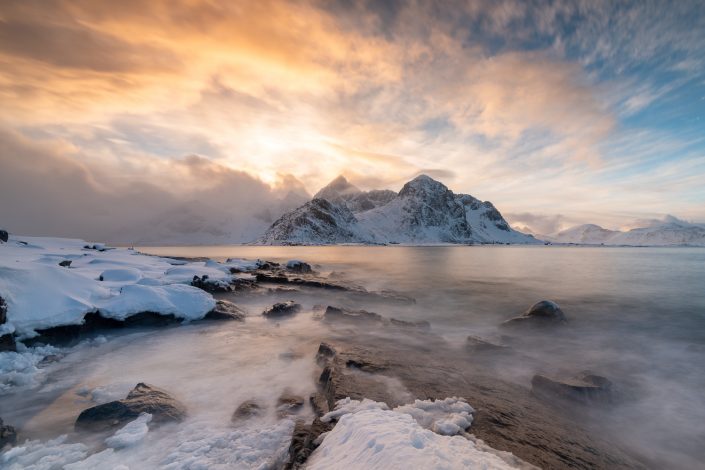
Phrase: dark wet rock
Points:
(210, 285)
(7, 343)
(66, 263)
(336, 314)
(225, 310)
(475, 344)
(94, 323)
(289, 403)
(282, 278)
(541, 314)
(142, 399)
(248, 409)
(282, 309)
(3, 311)
(267, 265)
(4, 236)
(300, 267)
(240, 285)
(585, 387)
(324, 354)
(319, 403)
(8, 435)
(304, 441)
(422, 324)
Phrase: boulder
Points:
(296, 266)
(143, 398)
(8, 435)
(354, 316)
(4, 236)
(289, 403)
(225, 310)
(282, 309)
(541, 314)
(585, 387)
(247, 409)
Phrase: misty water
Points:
(636, 316)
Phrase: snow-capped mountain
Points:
(667, 232)
(424, 211)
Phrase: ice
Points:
(130, 434)
(348, 405)
(19, 369)
(448, 417)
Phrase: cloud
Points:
(47, 190)
(539, 224)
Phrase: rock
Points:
(325, 352)
(7, 343)
(544, 313)
(282, 309)
(478, 345)
(319, 404)
(225, 310)
(296, 266)
(247, 409)
(66, 264)
(289, 403)
(304, 441)
(8, 435)
(585, 387)
(355, 316)
(142, 399)
(423, 324)
(4, 236)
(267, 265)
(3, 311)
(210, 285)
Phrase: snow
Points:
(130, 434)
(447, 417)
(376, 438)
(20, 369)
(41, 294)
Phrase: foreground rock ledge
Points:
(143, 398)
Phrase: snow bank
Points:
(41, 294)
(383, 439)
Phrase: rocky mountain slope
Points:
(667, 232)
(424, 212)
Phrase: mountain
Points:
(424, 212)
(669, 231)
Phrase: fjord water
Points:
(636, 315)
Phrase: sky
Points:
(173, 120)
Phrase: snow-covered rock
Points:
(115, 282)
(669, 231)
(424, 212)
(422, 434)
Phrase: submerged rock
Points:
(225, 310)
(289, 403)
(356, 316)
(248, 409)
(8, 435)
(282, 309)
(142, 399)
(585, 387)
(543, 313)
(478, 345)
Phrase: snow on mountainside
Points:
(424, 211)
(667, 232)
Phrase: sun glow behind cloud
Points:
(510, 101)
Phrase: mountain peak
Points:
(340, 186)
(422, 185)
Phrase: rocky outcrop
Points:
(225, 310)
(8, 435)
(304, 441)
(247, 409)
(142, 399)
(585, 387)
(541, 314)
(282, 309)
